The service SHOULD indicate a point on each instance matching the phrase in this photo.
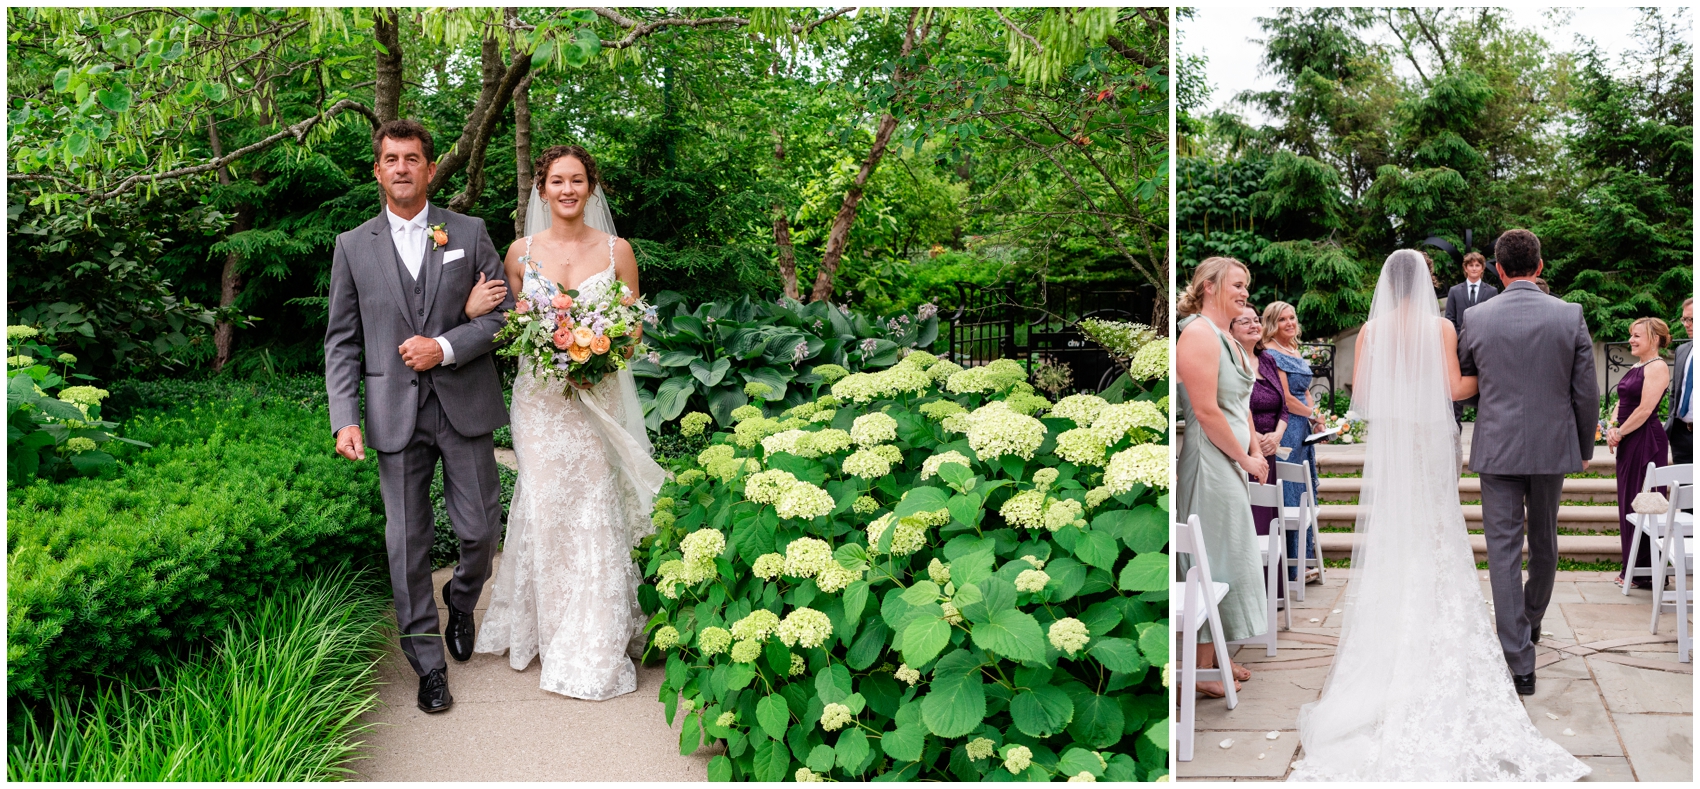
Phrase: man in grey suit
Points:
(1535, 422)
(1680, 425)
(1462, 296)
(398, 323)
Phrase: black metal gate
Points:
(994, 323)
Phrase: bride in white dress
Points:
(566, 588)
(1419, 689)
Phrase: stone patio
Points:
(1619, 689)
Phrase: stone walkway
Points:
(504, 728)
(1618, 688)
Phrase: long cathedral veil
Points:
(596, 214)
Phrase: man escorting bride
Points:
(417, 296)
(1421, 689)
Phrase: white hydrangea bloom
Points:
(806, 557)
(1026, 508)
(835, 577)
(666, 638)
(1082, 777)
(892, 454)
(1096, 496)
(1063, 512)
(942, 370)
(797, 665)
(1081, 446)
(726, 719)
(864, 505)
(767, 486)
(930, 466)
(805, 626)
(980, 748)
(1151, 361)
(1080, 408)
(787, 441)
(994, 430)
(875, 428)
(825, 442)
(835, 716)
(804, 501)
(938, 571)
(1069, 635)
(768, 566)
(1032, 581)
(907, 675)
(1115, 421)
(713, 640)
(951, 614)
(1018, 759)
(867, 464)
(756, 627)
(749, 433)
(705, 543)
(806, 776)
(1044, 478)
(998, 376)
(746, 651)
(744, 412)
(1038, 564)
(1147, 464)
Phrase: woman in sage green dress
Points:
(1216, 378)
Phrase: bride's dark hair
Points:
(554, 152)
(1398, 268)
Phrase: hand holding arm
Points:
(477, 336)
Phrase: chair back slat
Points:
(1189, 539)
(1665, 476)
(1262, 495)
(1292, 472)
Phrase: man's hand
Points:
(421, 353)
(350, 444)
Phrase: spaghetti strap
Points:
(610, 252)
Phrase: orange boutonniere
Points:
(439, 237)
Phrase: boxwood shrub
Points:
(930, 574)
(106, 576)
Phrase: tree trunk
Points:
(782, 236)
(230, 280)
(522, 141)
(839, 237)
(387, 91)
(468, 152)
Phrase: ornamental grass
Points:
(942, 596)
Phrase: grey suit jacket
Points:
(1539, 403)
(1679, 370)
(369, 320)
(1458, 300)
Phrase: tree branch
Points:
(1007, 22)
(298, 132)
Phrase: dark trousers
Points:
(471, 492)
(1681, 442)
(1518, 607)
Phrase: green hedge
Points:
(239, 498)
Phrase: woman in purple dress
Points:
(1638, 438)
(1268, 407)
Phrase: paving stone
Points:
(1607, 768)
(1661, 747)
(1607, 593)
(1639, 690)
(1209, 760)
(1567, 668)
(1579, 708)
(1603, 621)
(1270, 701)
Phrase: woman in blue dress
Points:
(1281, 344)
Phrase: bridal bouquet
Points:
(1351, 428)
(580, 342)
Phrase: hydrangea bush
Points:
(931, 573)
(53, 428)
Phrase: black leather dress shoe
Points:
(1525, 683)
(460, 634)
(434, 692)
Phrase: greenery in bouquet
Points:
(704, 359)
(1350, 426)
(572, 339)
(929, 573)
(53, 428)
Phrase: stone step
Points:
(1581, 548)
(1595, 518)
(1591, 489)
(1349, 459)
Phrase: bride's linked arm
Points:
(1464, 387)
(488, 294)
(1197, 358)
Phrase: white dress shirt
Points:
(410, 237)
(1475, 285)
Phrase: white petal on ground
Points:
(1228, 743)
(1550, 715)
(1570, 732)
(1274, 735)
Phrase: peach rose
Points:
(561, 302)
(601, 344)
(563, 338)
(522, 306)
(582, 336)
(579, 353)
(441, 237)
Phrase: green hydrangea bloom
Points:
(757, 389)
(829, 373)
(666, 638)
(693, 423)
(713, 640)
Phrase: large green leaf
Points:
(679, 358)
(670, 399)
(722, 400)
(1146, 572)
(690, 327)
(690, 734)
(853, 750)
(1117, 654)
(923, 638)
(1012, 634)
(710, 374)
(1097, 549)
(820, 758)
(1154, 642)
(923, 499)
(774, 377)
(1041, 711)
(905, 743)
(1075, 761)
(720, 769)
(773, 715)
(832, 684)
(1144, 528)
(956, 702)
(773, 761)
(1097, 720)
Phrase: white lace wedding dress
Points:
(566, 588)
(1419, 689)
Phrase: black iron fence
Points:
(1322, 384)
(995, 323)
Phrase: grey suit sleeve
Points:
(477, 337)
(344, 343)
(1452, 306)
(1584, 390)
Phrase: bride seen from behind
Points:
(566, 588)
(1419, 689)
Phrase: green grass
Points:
(276, 699)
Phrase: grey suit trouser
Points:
(1518, 606)
(470, 490)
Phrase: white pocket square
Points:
(453, 255)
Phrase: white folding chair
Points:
(1658, 478)
(1305, 519)
(1274, 566)
(1677, 553)
(1197, 598)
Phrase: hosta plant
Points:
(707, 359)
(929, 573)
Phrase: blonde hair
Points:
(1655, 327)
(1272, 316)
(1210, 271)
